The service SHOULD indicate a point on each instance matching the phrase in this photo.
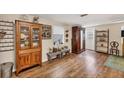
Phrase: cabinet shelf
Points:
(25, 48)
(99, 31)
(103, 46)
(103, 36)
(102, 41)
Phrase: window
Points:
(58, 35)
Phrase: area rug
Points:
(115, 62)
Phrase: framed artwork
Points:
(46, 32)
(66, 35)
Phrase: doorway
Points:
(82, 39)
(90, 38)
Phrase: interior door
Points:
(90, 38)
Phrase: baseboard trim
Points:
(90, 49)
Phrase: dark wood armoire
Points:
(77, 39)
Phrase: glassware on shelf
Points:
(35, 44)
(24, 38)
(35, 37)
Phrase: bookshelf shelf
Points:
(102, 41)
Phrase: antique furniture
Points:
(114, 48)
(46, 31)
(28, 45)
(58, 54)
(65, 51)
(6, 36)
(53, 55)
(102, 41)
(76, 40)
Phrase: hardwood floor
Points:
(88, 64)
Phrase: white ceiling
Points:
(89, 20)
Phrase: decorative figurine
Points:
(35, 19)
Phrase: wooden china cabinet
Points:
(28, 45)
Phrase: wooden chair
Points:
(114, 48)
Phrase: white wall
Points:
(90, 38)
(59, 30)
(46, 44)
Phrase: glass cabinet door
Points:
(35, 37)
(24, 37)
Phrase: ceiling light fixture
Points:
(83, 15)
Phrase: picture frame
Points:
(46, 31)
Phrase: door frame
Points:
(83, 49)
